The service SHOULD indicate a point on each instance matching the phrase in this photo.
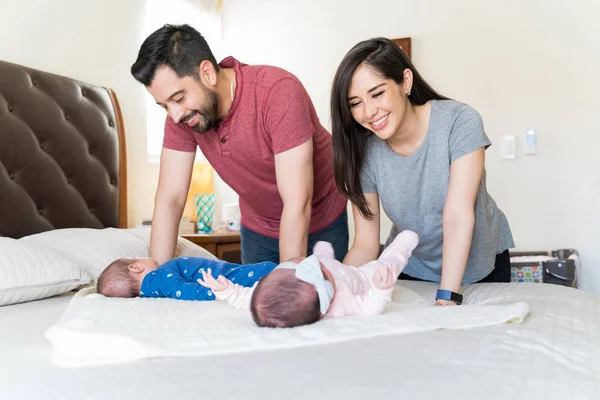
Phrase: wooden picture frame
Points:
(404, 44)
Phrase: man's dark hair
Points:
(180, 47)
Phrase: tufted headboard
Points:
(62, 154)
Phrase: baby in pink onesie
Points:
(302, 291)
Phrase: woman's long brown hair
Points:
(349, 137)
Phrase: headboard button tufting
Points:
(46, 178)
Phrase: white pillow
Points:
(91, 249)
(94, 249)
(185, 248)
(30, 273)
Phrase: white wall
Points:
(521, 64)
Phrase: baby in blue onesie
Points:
(177, 278)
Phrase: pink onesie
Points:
(355, 293)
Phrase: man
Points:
(258, 128)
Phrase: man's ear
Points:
(208, 75)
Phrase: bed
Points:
(62, 168)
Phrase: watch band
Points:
(449, 295)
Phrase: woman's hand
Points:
(217, 285)
(445, 303)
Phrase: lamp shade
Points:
(202, 183)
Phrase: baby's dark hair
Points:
(280, 300)
(117, 281)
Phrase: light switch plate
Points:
(530, 145)
(509, 147)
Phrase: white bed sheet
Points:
(95, 330)
(554, 354)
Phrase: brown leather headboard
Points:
(62, 154)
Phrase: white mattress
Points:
(554, 354)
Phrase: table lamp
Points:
(201, 183)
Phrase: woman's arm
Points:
(459, 217)
(366, 234)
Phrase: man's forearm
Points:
(293, 232)
(163, 237)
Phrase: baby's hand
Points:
(217, 285)
(384, 278)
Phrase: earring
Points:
(408, 93)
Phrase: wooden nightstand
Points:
(224, 245)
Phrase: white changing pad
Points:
(95, 330)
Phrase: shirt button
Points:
(224, 140)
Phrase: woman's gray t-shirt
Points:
(413, 190)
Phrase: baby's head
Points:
(123, 277)
(281, 300)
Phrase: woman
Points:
(396, 140)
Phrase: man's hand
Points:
(217, 285)
(384, 278)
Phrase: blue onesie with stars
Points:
(178, 277)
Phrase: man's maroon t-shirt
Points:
(271, 113)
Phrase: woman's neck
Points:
(411, 133)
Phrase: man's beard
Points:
(207, 115)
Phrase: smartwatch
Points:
(449, 295)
